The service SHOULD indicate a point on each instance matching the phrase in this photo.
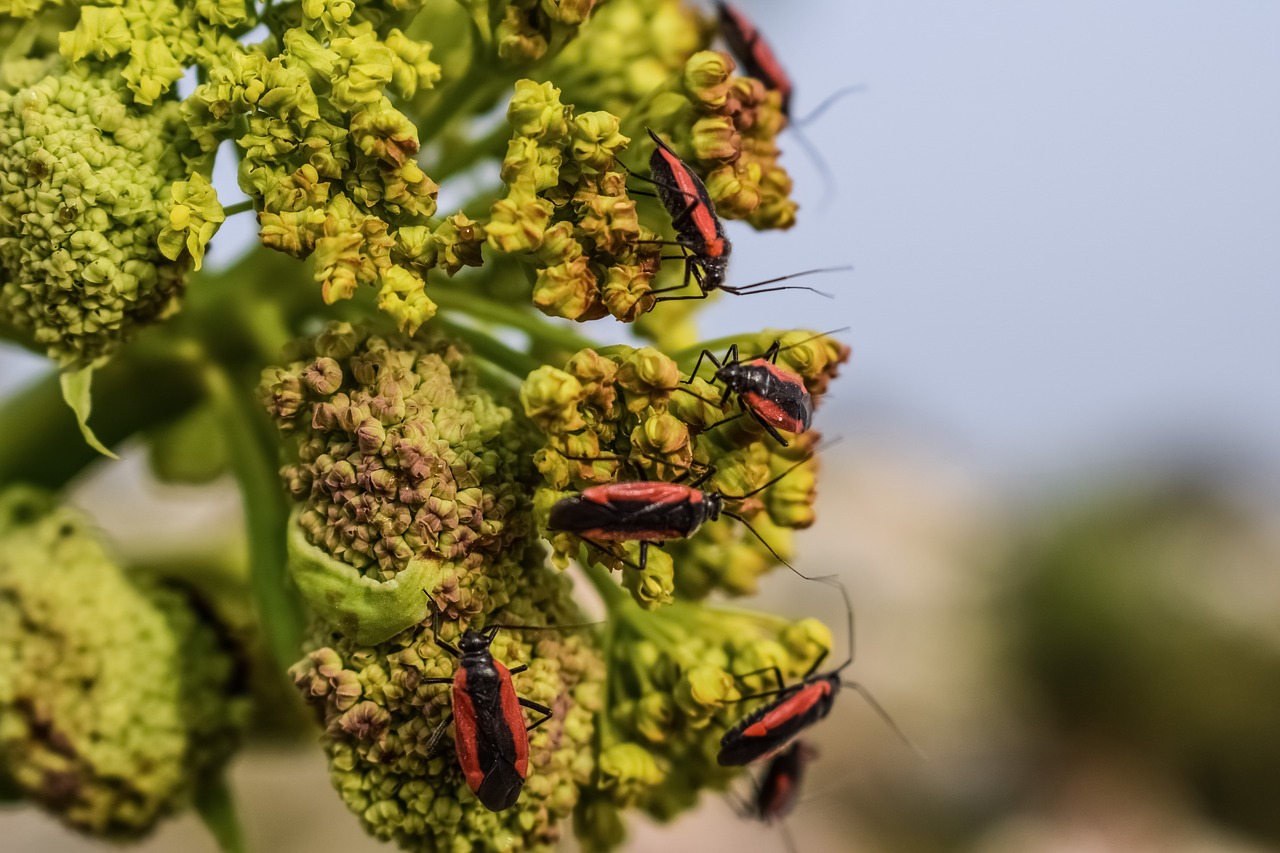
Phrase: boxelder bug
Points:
(770, 728)
(749, 47)
(700, 232)
(779, 787)
(777, 791)
(777, 399)
(490, 734)
(651, 512)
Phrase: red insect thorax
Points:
(795, 705)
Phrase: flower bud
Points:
(626, 770)
(647, 374)
(707, 77)
(550, 399)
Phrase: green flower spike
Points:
(378, 717)
(675, 685)
(117, 700)
(727, 128)
(567, 212)
(329, 160)
(84, 182)
(400, 462)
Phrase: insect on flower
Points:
(750, 48)
(651, 512)
(770, 728)
(490, 733)
(778, 790)
(705, 248)
(777, 399)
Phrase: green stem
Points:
(463, 158)
(239, 207)
(266, 513)
(42, 443)
(484, 309)
(689, 354)
(475, 86)
(616, 600)
(516, 363)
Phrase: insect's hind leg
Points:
(541, 709)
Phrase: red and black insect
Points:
(650, 512)
(699, 232)
(748, 46)
(777, 399)
(778, 790)
(754, 53)
(770, 728)
(490, 733)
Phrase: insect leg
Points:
(709, 427)
(614, 556)
(541, 709)
(709, 356)
(516, 670)
(438, 733)
(769, 428)
(773, 670)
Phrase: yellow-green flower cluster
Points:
(378, 717)
(400, 459)
(566, 209)
(633, 48)
(329, 160)
(85, 175)
(117, 699)
(522, 32)
(726, 126)
(675, 684)
(624, 414)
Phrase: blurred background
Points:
(1057, 501)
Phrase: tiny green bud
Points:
(626, 770)
(550, 398)
(707, 77)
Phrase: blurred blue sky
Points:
(1063, 218)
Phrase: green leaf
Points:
(365, 609)
(76, 387)
(217, 809)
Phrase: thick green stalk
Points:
(42, 443)
(487, 310)
(266, 514)
(615, 599)
(515, 363)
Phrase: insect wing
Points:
(493, 753)
(771, 728)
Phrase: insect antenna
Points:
(884, 715)
(759, 286)
(811, 150)
(806, 458)
(833, 580)
(827, 102)
(495, 626)
(775, 554)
